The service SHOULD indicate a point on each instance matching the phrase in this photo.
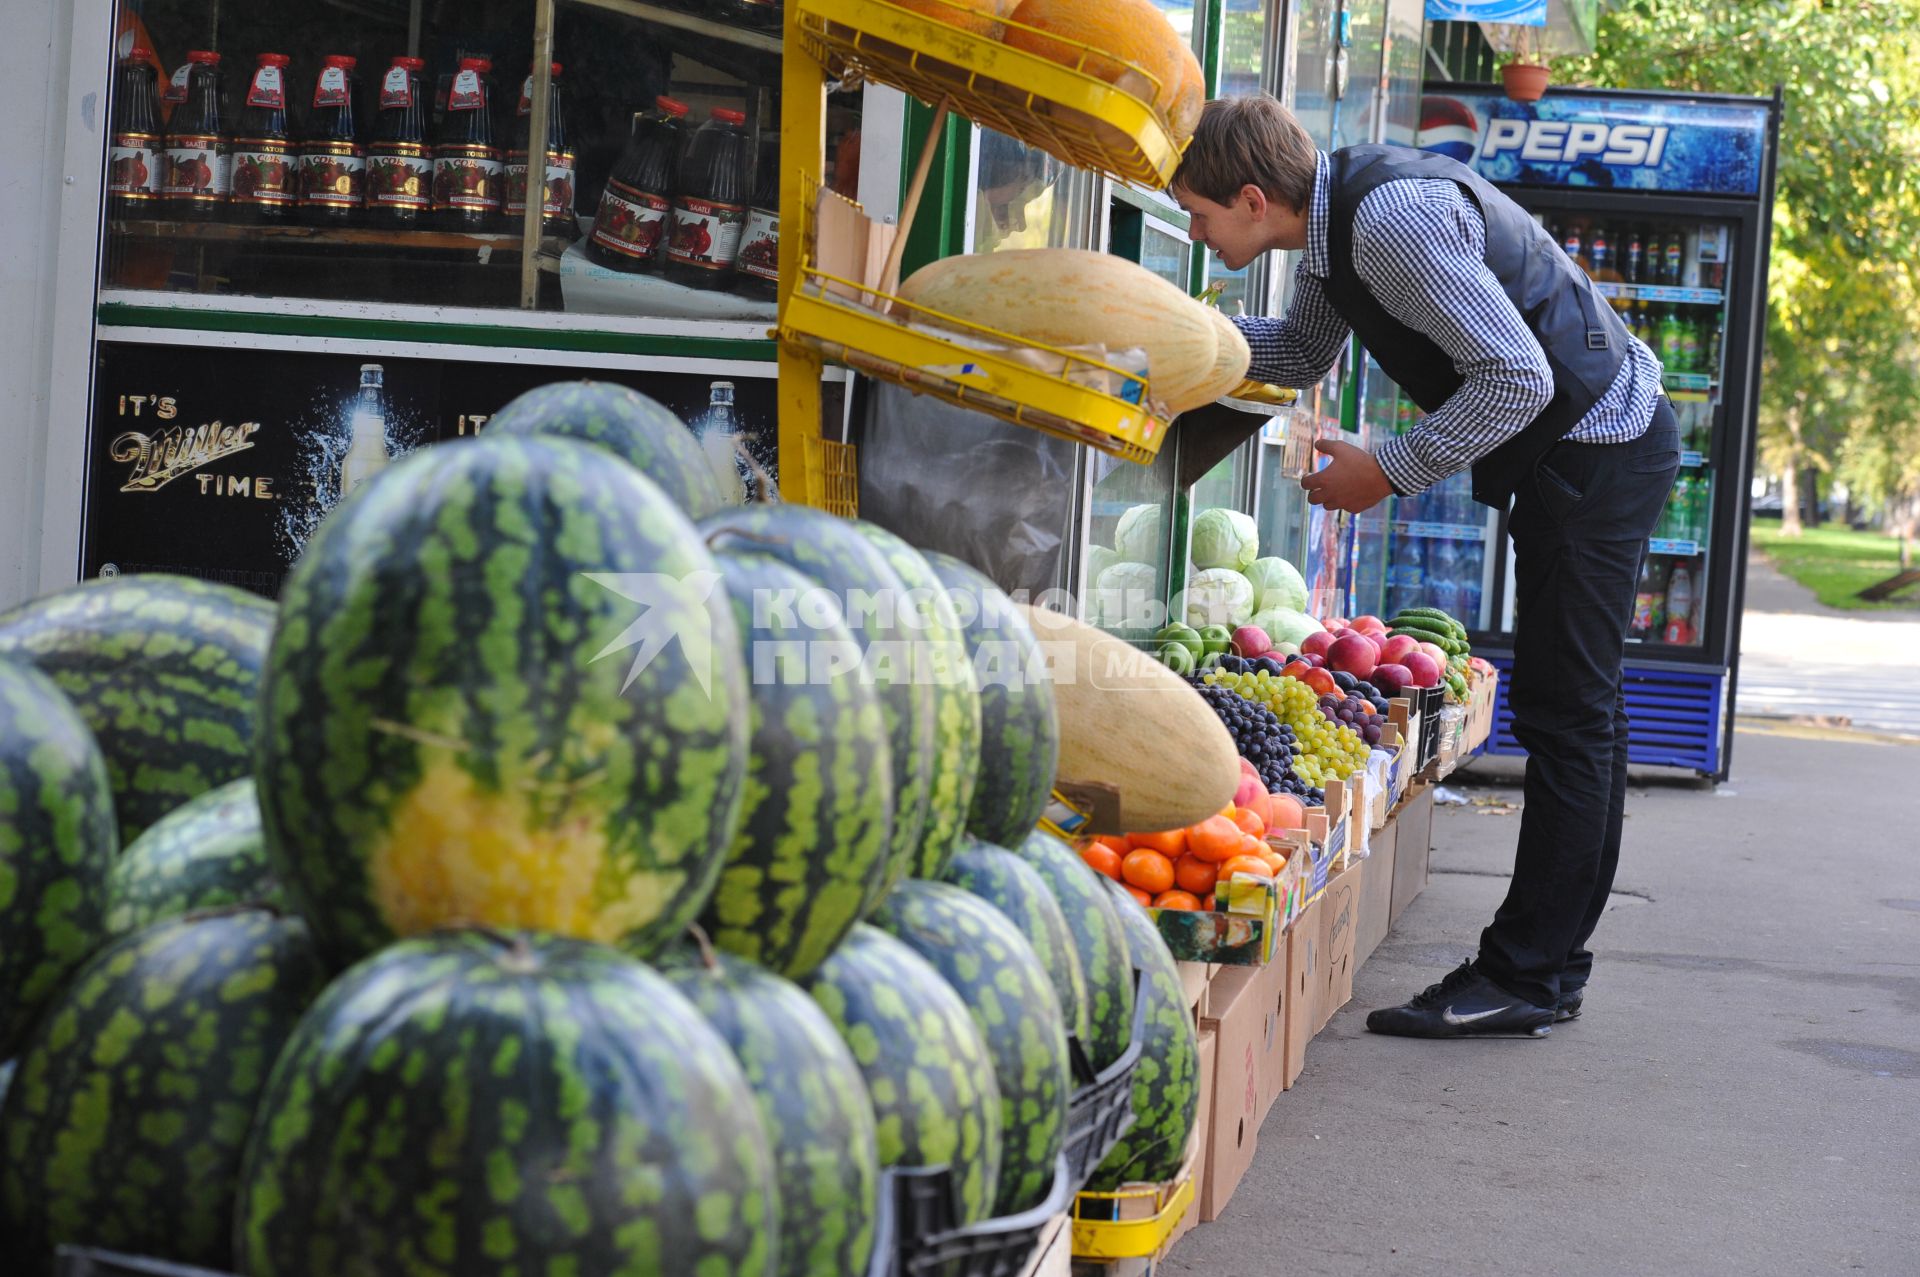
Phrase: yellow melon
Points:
(1130, 33)
(981, 17)
(1230, 364)
(1184, 116)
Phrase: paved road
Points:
(1739, 1098)
(1801, 660)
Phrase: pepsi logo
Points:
(1448, 127)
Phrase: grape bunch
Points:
(1356, 704)
(1330, 749)
(1261, 738)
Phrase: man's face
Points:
(1242, 230)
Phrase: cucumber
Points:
(1431, 619)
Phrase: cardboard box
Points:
(1239, 1025)
(1053, 1253)
(1203, 1127)
(1302, 975)
(1376, 900)
(1267, 985)
(1413, 840)
(1195, 980)
(1339, 910)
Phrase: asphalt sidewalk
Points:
(1739, 1097)
(1802, 661)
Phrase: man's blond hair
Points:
(1251, 141)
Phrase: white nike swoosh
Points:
(1451, 1018)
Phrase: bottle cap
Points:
(274, 59)
(411, 64)
(475, 64)
(341, 60)
(205, 57)
(725, 116)
(670, 105)
(556, 68)
(140, 53)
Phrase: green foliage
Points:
(1835, 563)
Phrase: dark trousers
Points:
(1580, 525)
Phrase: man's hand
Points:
(1353, 481)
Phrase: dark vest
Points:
(1584, 340)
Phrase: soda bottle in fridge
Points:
(199, 163)
(333, 164)
(1700, 520)
(556, 213)
(134, 157)
(1672, 259)
(1689, 346)
(399, 163)
(1406, 574)
(1443, 576)
(1575, 247)
(1678, 604)
(1599, 250)
(1649, 601)
(1633, 265)
(468, 173)
(1473, 562)
(1667, 336)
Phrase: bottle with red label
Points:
(557, 209)
(265, 172)
(760, 245)
(469, 177)
(134, 158)
(631, 225)
(399, 163)
(198, 169)
(333, 164)
(710, 205)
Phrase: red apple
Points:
(1391, 678)
(1370, 625)
(1378, 640)
(1316, 643)
(1251, 641)
(1398, 646)
(1422, 670)
(1353, 654)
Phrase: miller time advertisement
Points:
(219, 464)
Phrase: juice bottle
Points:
(399, 165)
(199, 147)
(468, 174)
(1689, 348)
(1679, 607)
(1649, 603)
(135, 155)
(760, 246)
(333, 164)
(710, 203)
(556, 216)
(265, 178)
(632, 221)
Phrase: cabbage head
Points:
(1126, 596)
(1225, 539)
(1217, 596)
(1099, 559)
(1137, 536)
(1277, 583)
(1286, 625)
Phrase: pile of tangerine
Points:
(1178, 868)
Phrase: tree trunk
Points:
(1790, 498)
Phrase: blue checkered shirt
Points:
(1420, 246)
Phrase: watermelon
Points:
(1019, 733)
(638, 430)
(1006, 990)
(855, 581)
(1017, 890)
(935, 1102)
(125, 1123)
(940, 658)
(203, 855)
(506, 689)
(166, 672)
(818, 807)
(1166, 1082)
(57, 844)
(812, 1101)
(492, 1103)
(1099, 941)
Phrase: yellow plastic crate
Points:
(832, 480)
(1078, 113)
(1130, 1238)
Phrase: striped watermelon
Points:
(164, 669)
(940, 657)
(818, 805)
(1019, 731)
(1099, 940)
(490, 1104)
(856, 581)
(626, 423)
(57, 844)
(449, 733)
(1017, 890)
(1006, 990)
(205, 854)
(935, 1102)
(812, 1101)
(1166, 1083)
(125, 1122)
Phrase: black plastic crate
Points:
(916, 1235)
(1100, 1111)
(1427, 701)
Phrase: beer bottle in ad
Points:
(556, 214)
(631, 225)
(333, 164)
(468, 173)
(760, 247)
(366, 453)
(199, 159)
(264, 175)
(399, 164)
(136, 153)
(710, 207)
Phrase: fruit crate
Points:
(1100, 1111)
(1423, 704)
(1093, 114)
(1071, 395)
(917, 1237)
(85, 1261)
(1130, 1223)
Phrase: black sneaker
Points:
(1465, 1004)
(1569, 1008)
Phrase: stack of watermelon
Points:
(393, 968)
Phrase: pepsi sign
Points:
(1682, 145)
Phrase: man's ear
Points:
(1256, 201)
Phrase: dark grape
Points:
(1344, 681)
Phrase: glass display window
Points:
(1126, 565)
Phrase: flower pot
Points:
(1524, 81)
